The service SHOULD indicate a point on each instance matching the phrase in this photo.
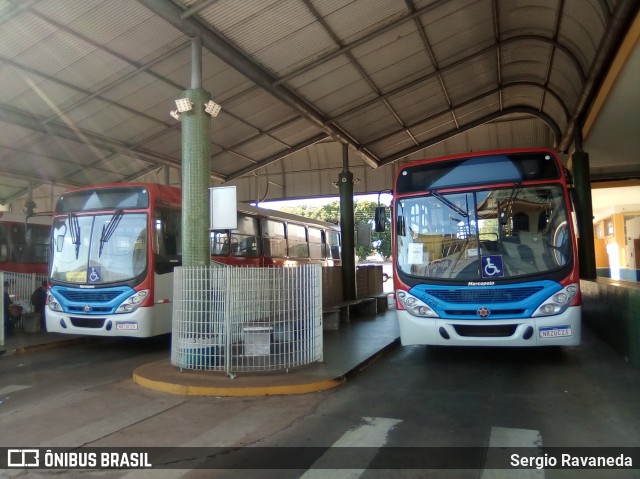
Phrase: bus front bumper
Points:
(137, 324)
(559, 330)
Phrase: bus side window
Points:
(4, 246)
(273, 239)
(334, 245)
(297, 237)
(39, 237)
(317, 249)
(244, 239)
(18, 243)
(220, 243)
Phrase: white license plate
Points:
(555, 332)
(126, 326)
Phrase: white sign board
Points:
(415, 253)
(223, 208)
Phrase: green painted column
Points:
(347, 228)
(196, 154)
(584, 214)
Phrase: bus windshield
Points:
(483, 235)
(99, 249)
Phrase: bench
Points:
(334, 314)
(382, 301)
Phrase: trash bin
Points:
(199, 352)
(257, 340)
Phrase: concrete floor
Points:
(345, 350)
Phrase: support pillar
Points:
(196, 153)
(29, 206)
(584, 214)
(347, 228)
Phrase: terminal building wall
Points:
(617, 243)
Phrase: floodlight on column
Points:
(184, 104)
(212, 108)
(175, 114)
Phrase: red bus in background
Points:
(24, 243)
(114, 249)
(273, 238)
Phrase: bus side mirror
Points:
(400, 227)
(380, 219)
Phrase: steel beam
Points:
(229, 53)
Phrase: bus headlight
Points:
(133, 302)
(415, 306)
(53, 303)
(557, 302)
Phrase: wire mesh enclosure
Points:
(236, 319)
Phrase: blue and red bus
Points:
(485, 251)
(114, 249)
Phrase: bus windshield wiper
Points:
(451, 205)
(107, 231)
(74, 228)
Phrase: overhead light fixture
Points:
(175, 114)
(184, 104)
(212, 108)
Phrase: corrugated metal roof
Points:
(87, 85)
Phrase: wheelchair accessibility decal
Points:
(492, 266)
(94, 274)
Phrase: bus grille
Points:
(494, 312)
(485, 295)
(493, 331)
(84, 296)
(87, 323)
(80, 309)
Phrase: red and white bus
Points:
(274, 238)
(24, 243)
(485, 251)
(114, 248)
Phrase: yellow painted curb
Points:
(191, 390)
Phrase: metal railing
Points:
(21, 286)
(236, 319)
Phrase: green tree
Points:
(329, 212)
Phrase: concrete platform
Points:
(346, 350)
(22, 342)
